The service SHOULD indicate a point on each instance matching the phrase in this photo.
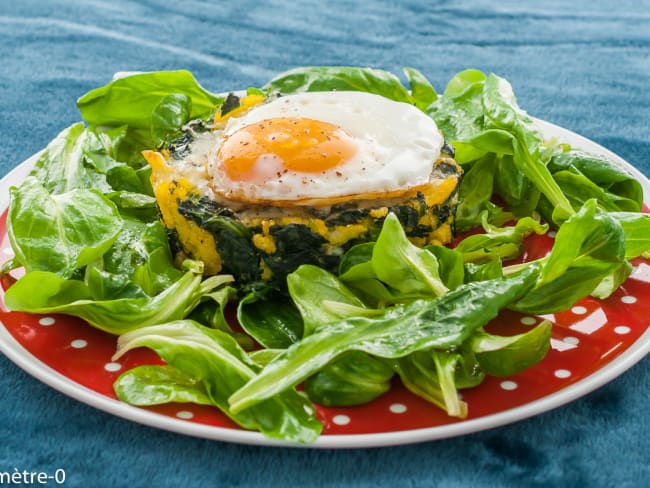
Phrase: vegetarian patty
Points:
(262, 242)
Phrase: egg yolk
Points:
(284, 144)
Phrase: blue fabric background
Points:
(582, 66)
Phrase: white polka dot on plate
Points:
(341, 419)
(562, 373)
(579, 310)
(572, 340)
(528, 320)
(184, 414)
(112, 367)
(629, 299)
(47, 321)
(622, 329)
(79, 343)
(398, 408)
(509, 385)
(8, 251)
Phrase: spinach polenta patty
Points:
(271, 185)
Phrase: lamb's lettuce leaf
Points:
(392, 269)
(157, 384)
(321, 297)
(215, 362)
(131, 100)
(47, 292)
(79, 157)
(636, 227)
(442, 322)
(436, 376)
(341, 78)
(60, 233)
(499, 242)
(509, 355)
(423, 93)
(273, 321)
(169, 115)
(588, 248)
(354, 379)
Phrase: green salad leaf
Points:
(273, 321)
(212, 360)
(442, 322)
(341, 78)
(499, 242)
(131, 100)
(436, 376)
(636, 228)
(620, 190)
(173, 111)
(422, 91)
(154, 385)
(588, 248)
(81, 158)
(505, 356)
(392, 269)
(46, 292)
(60, 233)
(321, 297)
(355, 378)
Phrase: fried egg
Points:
(320, 148)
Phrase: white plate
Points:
(20, 356)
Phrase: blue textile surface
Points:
(583, 65)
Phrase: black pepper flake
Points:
(338, 173)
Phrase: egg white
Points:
(396, 148)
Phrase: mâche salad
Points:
(314, 240)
